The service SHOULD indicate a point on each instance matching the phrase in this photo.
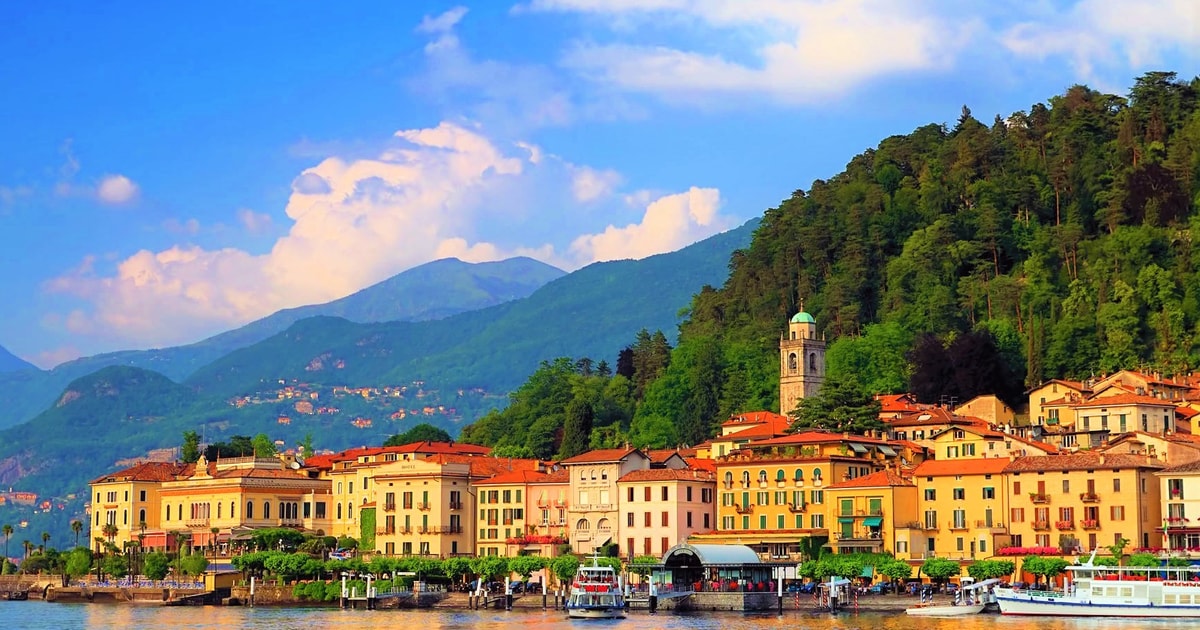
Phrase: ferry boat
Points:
(971, 599)
(596, 594)
(1104, 591)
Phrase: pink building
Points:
(661, 507)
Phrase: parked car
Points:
(880, 588)
(517, 586)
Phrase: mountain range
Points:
(9, 362)
(118, 412)
(430, 291)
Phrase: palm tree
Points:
(28, 548)
(8, 532)
(76, 528)
(45, 539)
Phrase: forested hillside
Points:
(1061, 237)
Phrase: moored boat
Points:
(971, 599)
(595, 594)
(1105, 591)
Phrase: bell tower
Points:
(801, 361)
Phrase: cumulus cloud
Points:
(116, 190)
(589, 184)
(669, 223)
(431, 193)
(442, 23)
(1096, 34)
(795, 52)
(254, 222)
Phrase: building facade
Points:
(801, 361)
(662, 507)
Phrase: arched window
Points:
(582, 525)
(339, 511)
(231, 514)
(218, 510)
(728, 480)
(350, 511)
(816, 473)
(604, 474)
(266, 509)
(799, 475)
(168, 511)
(780, 475)
(812, 362)
(762, 476)
(141, 516)
(282, 512)
(746, 477)
(793, 335)
(603, 526)
(249, 510)
(593, 474)
(792, 361)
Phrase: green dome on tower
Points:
(803, 318)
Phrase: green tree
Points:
(940, 569)
(489, 567)
(895, 571)
(423, 432)
(564, 567)
(156, 565)
(76, 528)
(514, 451)
(525, 566)
(116, 566)
(190, 451)
(1044, 567)
(194, 564)
(79, 562)
(840, 405)
(1117, 549)
(7, 530)
(263, 446)
(1143, 560)
(577, 429)
(306, 445)
(988, 569)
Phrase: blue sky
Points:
(174, 170)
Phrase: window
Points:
(818, 496)
(266, 509)
(1017, 515)
(1175, 488)
(647, 492)
(931, 519)
(1117, 512)
(664, 493)
(799, 521)
(689, 519)
(630, 495)
(1017, 487)
(762, 521)
(989, 493)
(930, 494)
(665, 519)
(818, 521)
(960, 519)
(142, 495)
(689, 494)
(646, 518)
(250, 511)
(1116, 485)
(960, 494)
(1066, 486)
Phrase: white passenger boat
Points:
(1103, 591)
(596, 594)
(971, 599)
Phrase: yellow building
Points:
(593, 512)
(1057, 393)
(128, 500)
(990, 409)
(962, 510)
(771, 493)
(506, 524)
(427, 506)
(1172, 449)
(1089, 497)
(969, 441)
(212, 502)
(1179, 487)
(872, 513)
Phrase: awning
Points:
(858, 448)
(867, 572)
(887, 450)
(845, 519)
(873, 521)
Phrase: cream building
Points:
(593, 513)
(662, 507)
(128, 500)
(1179, 487)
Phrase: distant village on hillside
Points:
(1086, 465)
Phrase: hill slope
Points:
(430, 291)
(10, 362)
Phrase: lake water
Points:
(37, 614)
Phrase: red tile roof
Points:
(660, 455)
(514, 477)
(973, 466)
(667, 474)
(486, 467)
(1082, 460)
(881, 479)
(561, 475)
(1123, 399)
(146, 471)
(816, 437)
(702, 464)
(756, 417)
(1189, 467)
(602, 456)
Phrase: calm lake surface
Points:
(37, 614)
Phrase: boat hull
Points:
(595, 613)
(945, 611)
(1063, 607)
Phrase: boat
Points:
(595, 593)
(971, 599)
(1104, 591)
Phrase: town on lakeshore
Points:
(1108, 465)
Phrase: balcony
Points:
(1090, 523)
(389, 507)
(799, 483)
(796, 509)
(781, 483)
(1176, 521)
(421, 529)
(958, 526)
(424, 506)
(1065, 525)
(744, 509)
(405, 529)
(385, 531)
(1089, 497)
(197, 523)
(728, 485)
(456, 505)
(1041, 526)
(931, 526)
(1039, 497)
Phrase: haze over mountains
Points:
(117, 412)
(12, 363)
(430, 291)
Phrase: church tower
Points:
(801, 361)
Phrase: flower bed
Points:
(1029, 551)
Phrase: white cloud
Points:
(254, 222)
(1095, 34)
(432, 193)
(669, 223)
(442, 23)
(589, 184)
(795, 52)
(116, 190)
(190, 227)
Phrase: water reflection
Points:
(129, 617)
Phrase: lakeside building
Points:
(962, 509)
(1179, 487)
(874, 513)
(509, 517)
(968, 441)
(662, 507)
(1093, 499)
(128, 500)
(593, 513)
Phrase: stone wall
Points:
(722, 601)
